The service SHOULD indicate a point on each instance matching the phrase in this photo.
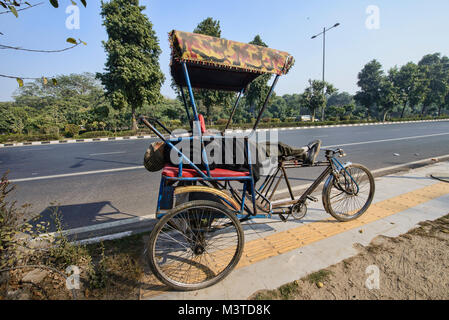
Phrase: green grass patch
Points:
(319, 276)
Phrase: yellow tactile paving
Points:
(285, 241)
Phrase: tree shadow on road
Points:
(81, 215)
(83, 160)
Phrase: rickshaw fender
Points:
(228, 200)
(327, 184)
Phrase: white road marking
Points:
(387, 140)
(77, 174)
(102, 154)
(140, 167)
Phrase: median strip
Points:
(21, 144)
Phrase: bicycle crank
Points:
(298, 211)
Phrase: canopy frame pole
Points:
(189, 87)
(234, 108)
(195, 117)
(185, 105)
(265, 103)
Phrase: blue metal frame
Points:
(344, 168)
(248, 181)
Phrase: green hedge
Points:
(10, 138)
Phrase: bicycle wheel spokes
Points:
(348, 198)
(195, 246)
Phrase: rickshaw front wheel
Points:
(349, 195)
(195, 245)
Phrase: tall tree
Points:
(133, 75)
(369, 81)
(389, 95)
(340, 99)
(436, 71)
(408, 80)
(258, 89)
(206, 98)
(314, 97)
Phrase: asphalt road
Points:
(51, 176)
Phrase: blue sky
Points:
(408, 30)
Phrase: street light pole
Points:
(324, 54)
(324, 51)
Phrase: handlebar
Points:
(333, 152)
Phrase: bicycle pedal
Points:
(312, 198)
(284, 219)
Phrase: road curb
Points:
(39, 143)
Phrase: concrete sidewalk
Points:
(278, 253)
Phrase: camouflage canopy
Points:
(216, 63)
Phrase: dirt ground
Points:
(109, 271)
(412, 266)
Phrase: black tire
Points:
(343, 200)
(187, 239)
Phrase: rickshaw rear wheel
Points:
(195, 245)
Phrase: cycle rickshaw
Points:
(199, 238)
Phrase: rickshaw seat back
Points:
(202, 123)
(173, 172)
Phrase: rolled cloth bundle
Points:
(154, 157)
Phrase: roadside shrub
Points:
(221, 122)
(11, 225)
(7, 138)
(71, 130)
(275, 120)
(96, 134)
(175, 123)
(266, 120)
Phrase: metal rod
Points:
(265, 104)
(288, 183)
(315, 184)
(189, 87)
(195, 117)
(149, 125)
(324, 66)
(276, 186)
(233, 109)
(185, 105)
(161, 125)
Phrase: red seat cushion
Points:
(173, 172)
